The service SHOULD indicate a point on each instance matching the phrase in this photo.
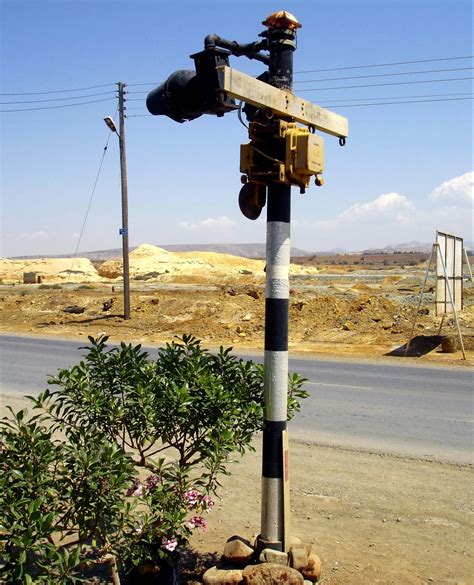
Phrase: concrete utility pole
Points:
(124, 228)
(281, 38)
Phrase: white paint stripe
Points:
(277, 288)
(277, 271)
(276, 385)
(278, 243)
(272, 509)
(340, 385)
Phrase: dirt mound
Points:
(148, 262)
(216, 259)
(51, 270)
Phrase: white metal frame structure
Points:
(450, 254)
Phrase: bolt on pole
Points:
(124, 229)
(281, 37)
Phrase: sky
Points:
(405, 172)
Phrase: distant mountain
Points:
(244, 250)
(420, 247)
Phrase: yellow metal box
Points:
(309, 159)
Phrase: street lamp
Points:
(123, 175)
(111, 124)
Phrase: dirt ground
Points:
(372, 518)
(365, 315)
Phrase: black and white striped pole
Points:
(281, 44)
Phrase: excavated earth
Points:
(372, 518)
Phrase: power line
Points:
(60, 90)
(55, 107)
(395, 103)
(78, 97)
(148, 83)
(399, 97)
(90, 203)
(385, 64)
(386, 84)
(386, 74)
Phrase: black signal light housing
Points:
(187, 95)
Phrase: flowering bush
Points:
(180, 417)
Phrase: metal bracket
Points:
(262, 95)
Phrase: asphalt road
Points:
(410, 410)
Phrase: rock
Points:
(268, 555)
(75, 309)
(246, 317)
(271, 573)
(222, 576)
(299, 556)
(312, 571)
(238, 550)
(348, 326)
(448, 344)
(253, 293)
(107, 305)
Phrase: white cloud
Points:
(39, 235)
(457, 191)
(388, 207)
(208, 223)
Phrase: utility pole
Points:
(123, 175)
(281, 38)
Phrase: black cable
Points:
(78, 97)
(394, 103)
(55, 107)
(393, 97)
(386, 84)
(384, 64)
(90, 202)
(386, 75)
(61, 90)
(149, 83)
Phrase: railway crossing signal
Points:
(280, 154)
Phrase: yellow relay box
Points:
(301, 155)
(304, 154)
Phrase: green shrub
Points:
(180, 417)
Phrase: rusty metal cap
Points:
(282, 19)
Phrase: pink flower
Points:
(191, 498)
(136, 489)
(207, 504)
(151, 482)
(197, 522)
(169, 543)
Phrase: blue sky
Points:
(406, 169)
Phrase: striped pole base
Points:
(275, 364)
